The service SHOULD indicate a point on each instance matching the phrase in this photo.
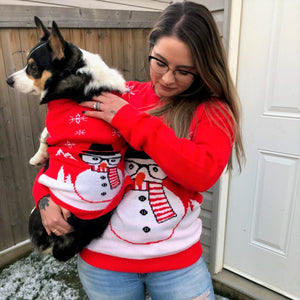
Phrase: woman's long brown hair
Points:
(194, 25)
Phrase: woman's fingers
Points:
(53, 217)
(104, 106)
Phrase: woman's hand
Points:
(107, 105)
(54, 217)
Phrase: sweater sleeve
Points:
(39, 191)
(195, 164)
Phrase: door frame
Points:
(233, 9)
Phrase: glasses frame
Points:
(150, 57)
(160, 175)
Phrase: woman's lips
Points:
(166, 88)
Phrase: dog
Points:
(64, 75)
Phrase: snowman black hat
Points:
(132, 153)
(100, 149)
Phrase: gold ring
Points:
(97, 106)
(54, 230)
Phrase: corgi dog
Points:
(83, 157)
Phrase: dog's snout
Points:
(10, 81)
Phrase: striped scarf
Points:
(160, 206)
(113, 176)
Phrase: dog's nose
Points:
(10, 81)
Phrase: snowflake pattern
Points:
(131, 91)
(69, 144)
(116, 133)
(78, 118)
(80, 132)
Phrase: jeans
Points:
(187, 283)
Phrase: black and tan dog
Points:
(57, 69)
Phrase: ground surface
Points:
(42, 278)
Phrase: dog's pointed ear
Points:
(57, 43)
(42, 30)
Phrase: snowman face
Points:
(95, 159)
(151, 171)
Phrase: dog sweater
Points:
(156, 226)
(86, 167)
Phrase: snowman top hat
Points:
(132, 153)
(100, 149)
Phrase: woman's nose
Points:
(168, 77)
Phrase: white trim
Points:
(220, 224)
(235, 7)
(15, 247)
(13, 253)
(234, 37)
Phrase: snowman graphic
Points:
(102, 181)
(91, 187)
(156, 210)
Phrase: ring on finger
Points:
(54, 230)
(97, 106)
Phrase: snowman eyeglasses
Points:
(97, 159)
(154, 171)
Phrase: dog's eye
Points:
(32, 67)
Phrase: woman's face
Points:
(177, 56)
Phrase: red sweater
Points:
(156, 226)
(86, 166)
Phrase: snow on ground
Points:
(40, 277)
(43, 278)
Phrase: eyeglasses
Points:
(153, 170)
(112, 160)
(161, 67)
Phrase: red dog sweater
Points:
(86, 166)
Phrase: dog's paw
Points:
(39, 159)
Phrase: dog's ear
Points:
(42, 30)
(57, 43)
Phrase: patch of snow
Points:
(40, 277)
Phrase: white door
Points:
(263, 222)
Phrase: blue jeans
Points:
(188, 283)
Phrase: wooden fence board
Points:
(91, 40)
(77, 37)
(105, 45)
(128, 54)
(22, 16)
(36, 112)
(18, 176)
(9, 144)
(6, 233)
(115, 4)
(140, 44)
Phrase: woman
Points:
(180, 128)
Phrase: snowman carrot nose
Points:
(139, 180)
(103, 166)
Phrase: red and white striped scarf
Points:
(113, 176)
(159, 203)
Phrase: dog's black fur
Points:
(58, 69)
(66, 246)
